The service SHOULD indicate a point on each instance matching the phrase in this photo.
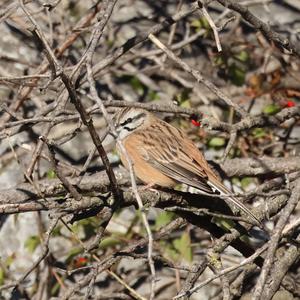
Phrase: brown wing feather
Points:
(177, 158)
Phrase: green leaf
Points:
(32, 242)
(196, 23)
(242, 56)
(9, 260)
(134, 82)
(216, 142)
(55, 289)
(185, 104)
(2, 276)
(271, 109)
(153, 96)
(183, 98)
(226, 224)
(109, 242)
(51, 174)
(163, 219)
(110, 43)
(137, 85)
(219, 60)
(201, 23)
(89, 230)
(169, 250)
(236, 74)
(183, 246)
(87, 226)
(56, 231)
(235, 180)
(246, 181)
(258, 133)
(245, 239)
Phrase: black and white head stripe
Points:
(129, 119)
(133, 122)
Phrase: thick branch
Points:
(261, 26)
(261, 166)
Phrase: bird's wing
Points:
(181, 173)
(175, 158)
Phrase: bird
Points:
(163, 155)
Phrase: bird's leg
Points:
(147, 187)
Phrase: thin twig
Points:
(197, 75)
(134, 294)
(285, 214)
(132, 177)
(261, 26)
(97, 35)
(45, 250)
(229, 146)
(246, 261)
(70, 188)
(211, 24)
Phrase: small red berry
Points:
(195, 123)
(290, 103)
(80, 261)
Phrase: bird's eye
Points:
(127, 121)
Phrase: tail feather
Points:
(224, 192)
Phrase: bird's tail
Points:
(232, 200)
